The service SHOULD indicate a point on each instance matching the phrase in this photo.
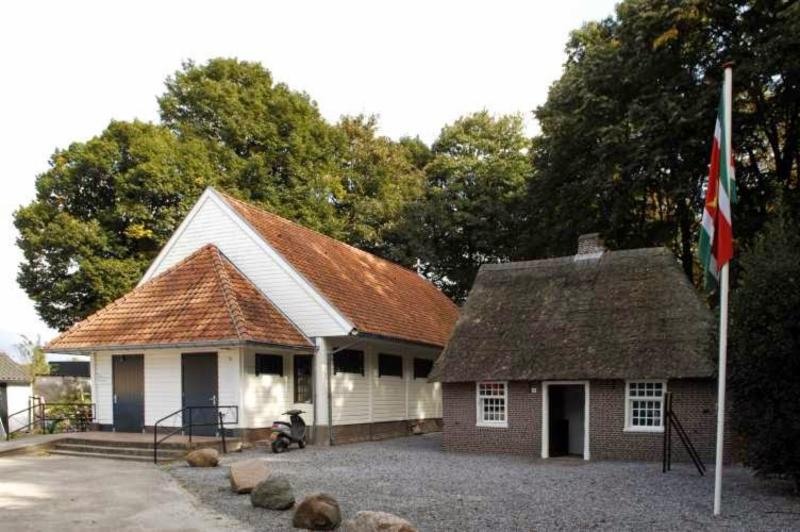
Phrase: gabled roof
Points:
(379, 297)
(202, 299)
(10, 371)
(628, 314)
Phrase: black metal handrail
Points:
(41, 413)
(672, 421)
(220, 421)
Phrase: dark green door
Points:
(200, 390)
(128, 382)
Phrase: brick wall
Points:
(524, 419)
(694, 401)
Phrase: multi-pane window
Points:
(348, 361)
(422, 368)
(492, 402)
(390, 365)
(645, 405)
(303, 391)
(269, 364)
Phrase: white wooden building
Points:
(245, 309)
(15, 392)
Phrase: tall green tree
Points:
(34, 359)
(271, 140)
(105, 207)
(626, 130)
(377, 178)
(765, 350)
(471, 211)
(102, 211)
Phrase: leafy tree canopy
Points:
(626, 130)
(102, 211)
(106, 206)
(34, 359)
(470, 214)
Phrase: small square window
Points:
(422, 368)
(269, 364)
(348, 361)
(390, 365)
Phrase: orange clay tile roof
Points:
(204, 298)
(379, 297)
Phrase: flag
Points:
(716, 233)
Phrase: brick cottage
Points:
(575, 355)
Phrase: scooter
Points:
(284, 434)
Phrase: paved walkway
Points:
(27, 443)
(57, 493)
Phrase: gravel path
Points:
(413, 478)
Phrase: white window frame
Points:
(629, 426)
(479, 421)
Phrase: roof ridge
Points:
(527, 264)
(262, 210)
(108, 307)
(231, 302)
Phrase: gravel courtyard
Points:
(413, 478)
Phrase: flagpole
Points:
(723, 309)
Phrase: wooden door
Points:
(128, 388)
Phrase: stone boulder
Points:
(317, 512)
(273, 493)
(246, 474)
(378, 522)
(206, 457)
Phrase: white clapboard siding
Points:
(229, 377)
(162, 386)
(18, 402)
(264, 397)
(424, 398)
(388, 393)
(103, 392)
(350, 394)
(212, 221)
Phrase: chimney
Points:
(590, 246)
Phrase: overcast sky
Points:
(68, 68)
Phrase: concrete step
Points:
(111, 456)
(170, 454)
(127, 444)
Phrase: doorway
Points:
(200, 385)
(565, 419)
(127, 375)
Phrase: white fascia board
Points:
(211, 195)
(175, 237)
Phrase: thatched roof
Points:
(627, 314)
